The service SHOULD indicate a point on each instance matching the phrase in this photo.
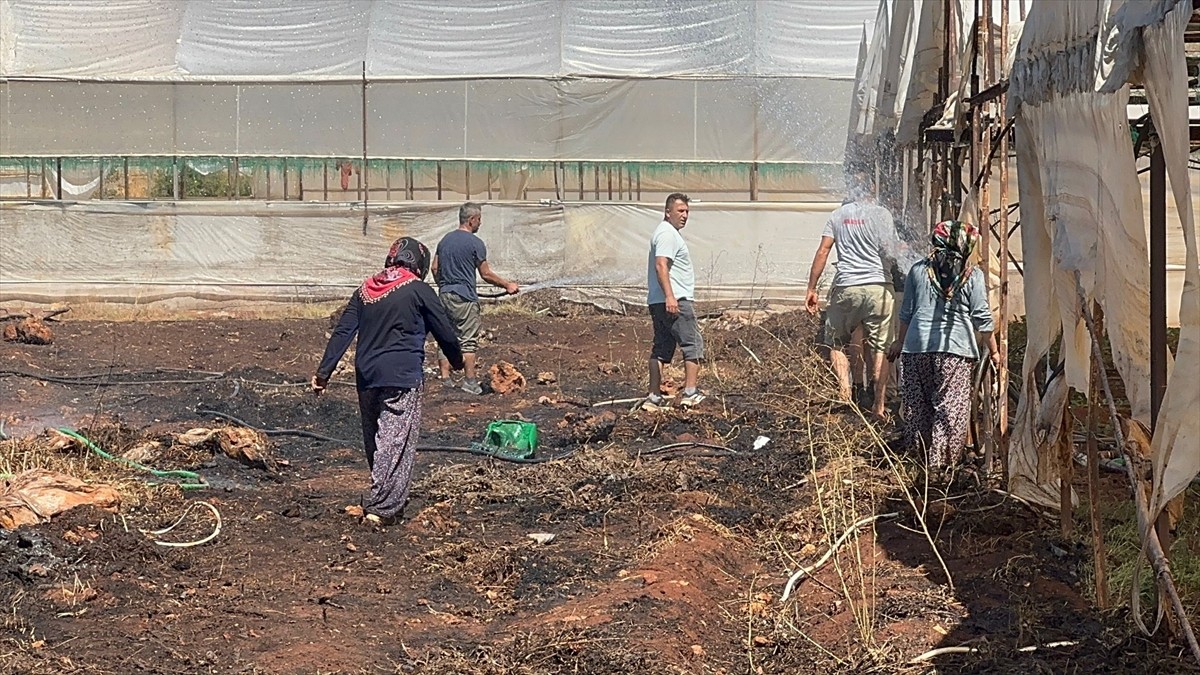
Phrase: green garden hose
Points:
(191, 480)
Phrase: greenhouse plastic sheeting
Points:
(1082, 230)
(668, 80)
(747, 119)
(122, 252)
(1176, 441)
(312, 39)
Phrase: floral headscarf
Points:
(407, 261)
(953, 243)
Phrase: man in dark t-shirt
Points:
(459, 256)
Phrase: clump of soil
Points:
(506, 379)
(29, 331)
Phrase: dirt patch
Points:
(661, 562)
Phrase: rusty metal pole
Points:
(1099, 555)
(1002, 328)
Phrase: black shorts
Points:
(680, 330)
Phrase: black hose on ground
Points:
(273, 432)
(421, 448)
(93, 379)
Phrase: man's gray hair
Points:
(467, 211)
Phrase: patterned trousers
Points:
(391, 421)
(936, 388)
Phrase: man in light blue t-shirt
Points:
(670, 293)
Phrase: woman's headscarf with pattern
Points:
(407, 260)
(953, 243)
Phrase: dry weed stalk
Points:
(795, 384)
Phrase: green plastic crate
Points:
(511, 438)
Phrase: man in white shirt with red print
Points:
(865, 236)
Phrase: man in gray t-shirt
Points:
(865, 237)
(459, 256)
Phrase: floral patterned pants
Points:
(391, 421)
(936, 388)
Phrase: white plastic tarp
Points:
(313, 39)
(1081, 217)
(1159, 51)
(732, 120)
(870, 73)
(124, 252)
(660, 80)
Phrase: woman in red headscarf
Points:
(391, 312)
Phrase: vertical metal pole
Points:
(1158, 311)
(235, 178)
(1158, 281)
(754, 181)
(580, 181)
(268, 170)
(325, 180)
(42, 173)
(985, 240)
(1002, 329)
(597, 181)
(125, 177)
(28, 180)
(639, 183)
(364, 176)
(300, 183)
(557, 183)
(1093, 467)
(285, 179)
(439, 180)
(58, 176)
(408, 179)
(489, 182)
(176, 188)
(609, 172)
(467, 177)
(100, 190)
(387, 180)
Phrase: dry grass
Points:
(544, 652)
(852, 475)
(40, 452)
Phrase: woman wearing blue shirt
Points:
(943, 322)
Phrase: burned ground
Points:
(661, 562)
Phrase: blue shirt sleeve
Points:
(480, 252)
(341, 338)
(981, 314)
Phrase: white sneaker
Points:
(655, 402)
(689, 400)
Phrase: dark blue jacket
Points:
(391, 337)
